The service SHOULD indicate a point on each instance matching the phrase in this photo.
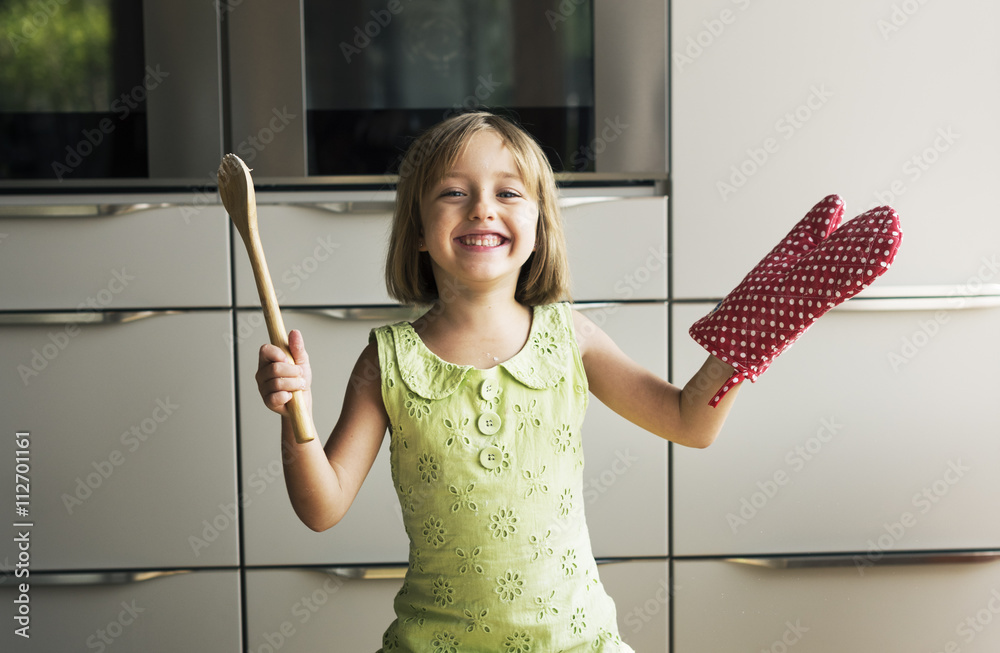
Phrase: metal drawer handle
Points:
(365, 314)
(923, 298)
(96, 578)
(82, 210)
(368, 573)
(78, 317)
(349, 207)
(850, 560)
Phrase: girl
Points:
(484, 397)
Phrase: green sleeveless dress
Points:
(488, 467)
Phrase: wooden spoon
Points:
(236, 189)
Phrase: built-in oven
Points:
(111, 93)
(98, 93)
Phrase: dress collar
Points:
(540, 364)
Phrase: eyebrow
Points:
(502, 174)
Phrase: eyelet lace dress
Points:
(488, 467)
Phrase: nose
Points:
(483, 207)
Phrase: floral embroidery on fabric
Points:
(517, 642)
(536, 482)
(419, 615)
(470, 560)
(546, 607)
(544, 343)
(503, 523)
(456, 431)
(416, 406)
(541, 545)
(526, 416)
(569, 562)
(477, 620)
(509, 586)
(434, 531)
(444, 593)
(563, 439)
(387, 374)
(463, 498)
(390, 640)
(415, 560)
(577, 623)
(428, 468)
(565, 503)
(445, 643)
(406, 499)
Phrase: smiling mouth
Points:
(483, 240)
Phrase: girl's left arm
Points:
(681, 415)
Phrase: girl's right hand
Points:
(277, 376)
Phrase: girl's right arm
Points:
(323, 481)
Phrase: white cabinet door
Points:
(307, 610)
(873, 433)
(617, 248)
(641, 591)
(726, 607)
(777, 104)
(625, 472)
(198, 611)
(372, 531)
(175, 256)
(132, 439)
(320, 257)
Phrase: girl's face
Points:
(479, 221)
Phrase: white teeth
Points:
(490, 240)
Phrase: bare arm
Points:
(679, 415)
(322, 482)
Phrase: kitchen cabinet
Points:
(98, 253)
(317, 609)
(775, 105)
(820, 606)
(129, 612)
(851, 441)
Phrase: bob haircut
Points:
(409, 279)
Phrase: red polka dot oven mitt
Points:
(816, 267)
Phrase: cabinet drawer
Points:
(892, 608)
(132, 439)
(310, 610)
(180, 612)
(623, 461)
(812, 456)
(618, 249)
(372, 531)
(175, 256)
(641, 591)
(319, 257)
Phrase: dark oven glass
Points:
(72, 93)
(378, 72)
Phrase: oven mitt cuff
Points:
(814, 268)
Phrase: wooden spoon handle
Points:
(302, 424)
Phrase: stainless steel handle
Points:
(386, 572)
(354, 207)
(78, 317)
(851, 560)
(365, 313)
(97, 578)
(923, 298)
(82, 210)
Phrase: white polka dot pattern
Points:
(816, 267)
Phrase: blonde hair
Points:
(409, 279)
